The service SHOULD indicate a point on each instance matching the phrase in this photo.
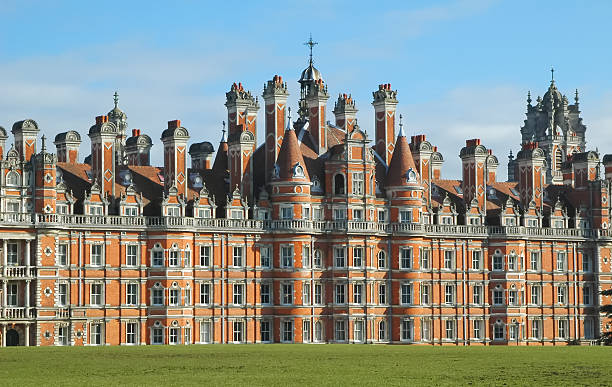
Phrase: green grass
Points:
(306, 364)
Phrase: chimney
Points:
(436, 164)
(138, 148)
(345, 112)
(492, 164)
(67, 146)
(45, 176)
(385, 103)
(175, 156)
(241, 111)
(103, 135)
(275, 96)
(201, 155)
(25, 133)
(3, 138)
(422, 152)
(531, 174)
(316, 100)
(473, 162)
(567, 170)
(586, 168)
(607, 162)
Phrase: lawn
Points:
(306, 364)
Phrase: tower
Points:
(275, 95)
(119, 118)
(103, 137)
(175, 157)
(385, 103)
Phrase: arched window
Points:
(382, 259)
(318, 258)
(318, 331)
(12, 179)
(339, 184)
(382, 330)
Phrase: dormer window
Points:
(410, 175)
(96, 210)
(130, 211)
(237, 214)
(297, 170)
(204, 213)
(316, 184)
(339, 184)
(173, 211)
(61, 209)
(263, 214)
(12, 179)
(358, 183)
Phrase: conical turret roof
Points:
(290, 163)
(402, 170)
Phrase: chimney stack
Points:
(138, 148)
(175, 156)
(385, 103)
(275, 96)
(345, 112)
(67, 146)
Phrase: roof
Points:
(290, 164)
(402, 171)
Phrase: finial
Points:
(289, 126)
(552, 75)
(401, 130)
(116, 98)
(223, 131)
(310, 44)
(576, 97)
(529, 97)
(44, 146)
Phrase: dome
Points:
(117, 114)
(310, 74)
(553, 94)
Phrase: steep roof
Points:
(401, 163)
(290, 163)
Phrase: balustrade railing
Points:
(19, 271)
(18, 313)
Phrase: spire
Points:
(116, 98)
(310, 44)
(43, 147)
(289, 127)
(576, 97)
(223, 139)
(402, 170)
(401, 129)
(552, 75)
(529, 97)
(290, 163)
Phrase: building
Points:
(314, 236)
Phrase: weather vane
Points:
(116, 98)
(310, 43)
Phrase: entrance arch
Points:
(12, 338)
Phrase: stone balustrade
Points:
(13, 313)
(19, 272)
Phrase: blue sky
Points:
(462, 68)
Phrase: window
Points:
(265, 256)
(286, 213)
(318, 294)
(237, 214)
(175, 296)
(237, 330)
(62, 333)
(339, 184)
(287, 331)
(61, 209)
(561, 294)
(358, 256)
(157, 258)
(205, 293)
(305, 256)
(425, 292)
(450, 328)
(339, 256)
(96, 255)
(174, 257)
(561, 260)
(187, 335)
(426, 329)
(498, 262)
(157, 295)
(357, 293)
(318, 331)
(406, 293)
(265, 293)
(12, 255)
(339, 214)
(514, 331)
(357, 215)
(95, 335)
(287, 293)
(358, 330)
(586, 262)
(532, 223)
(535, 328)
(174, 336)
(405, 258)
(382, 330)
(305, 212)
(237, 294)
(317, 213)
(130, 211)
(158, 335)
(425, 259)
(449, 294)
(512, 263)
(358, 183)
(205, 255)
(406, 329)
(96, 294)
(535, 294)
(382, 294)
(318, 258)
(498, 331)
(306, 293)
(131, 294)
(477, 329)
(562, 329)
(382, 259)
(12, 179)
(340, 331)
(586, 295)
(96, 210)
(476, 259)
(130, 332)
(264, 330)
(382, 216)
(62, 254)
(62, 294)
(447, 220)
(477, 294)
(498, 297)
(12, 294)
(287, 256)
(512, 298)
(237, 256)
(405, 216)
(205, 332)
(132, 255)
(204, 213)
(340, 293)
(187, 258)
(588, 328)
(534, 260)
(449, 259)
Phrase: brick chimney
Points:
(385, 103)
(473, 161)
(201, 155)
(316, 100)
(586, 168)
(345, 112)
(275, 95)
(67, 146)
(103, 135)
(531, 174)
(175, 156)
(607, 162)
(25, 133)
(138, 148)
(241, 111)
(3, 138)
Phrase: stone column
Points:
(4, 283)
(27, 335)
(4, 335)
(27, 257)
(27, 295)
(4, 256)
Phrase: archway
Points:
(12, 338)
